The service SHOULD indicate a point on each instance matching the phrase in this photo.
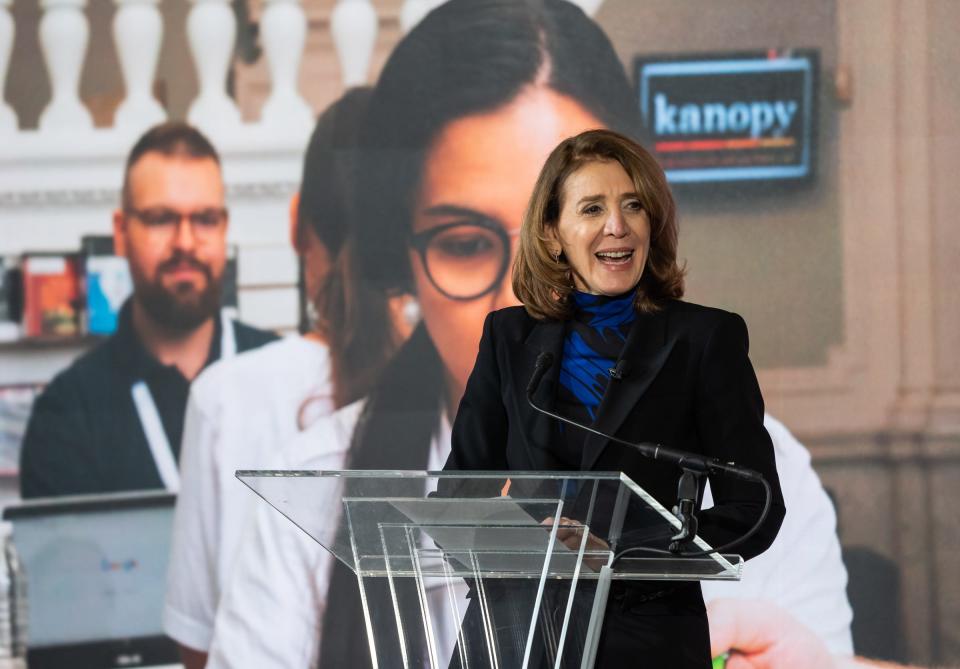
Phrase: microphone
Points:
(544, 363)
(692, 464)
(620, 370)
(683, 459)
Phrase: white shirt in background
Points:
(272, 608)
(272, 611)
(240, 413)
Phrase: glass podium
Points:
(486, 569)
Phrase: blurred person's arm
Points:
(272, 606)
(193, 577)
(56, 457)
(802, 572)
(760, 635)
(757, 634)
(812, 579)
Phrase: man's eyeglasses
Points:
(203, 223)
(464, 261)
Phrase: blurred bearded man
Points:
(113, 420)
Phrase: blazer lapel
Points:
(539, 430)
(645, 352)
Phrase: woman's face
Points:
(478, 176)
(603, 230)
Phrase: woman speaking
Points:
(599, 280)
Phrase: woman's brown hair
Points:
(543, 281)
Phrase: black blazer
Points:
(689, 385)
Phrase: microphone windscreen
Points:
(544, 362)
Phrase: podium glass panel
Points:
(485, 569)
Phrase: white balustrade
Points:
(283, 30)
(354, 27)
(212, 33)
(8, 120)
(137, 31)
(63, 38)
(412, 12)
(589, 7)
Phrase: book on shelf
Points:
(69, 295)
(106, 282)
(51, 294)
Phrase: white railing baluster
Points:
(137, 31)
(283, 29)
(354, 27)
(412, 12)
(589, 7)
(212, 33)
(8, 120)
(63, 38)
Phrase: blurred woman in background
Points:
(242, 410)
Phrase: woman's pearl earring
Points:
(556, 255)
(411, 312)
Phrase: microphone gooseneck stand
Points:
(692, 465)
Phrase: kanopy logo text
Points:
(740, 117)
(756, 119)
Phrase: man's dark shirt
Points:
(84, 434)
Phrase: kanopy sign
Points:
(731, 117)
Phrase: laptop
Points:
(96, 569)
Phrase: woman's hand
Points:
(570, 533)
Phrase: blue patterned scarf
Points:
(594, 339)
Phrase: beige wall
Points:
(944, 135)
